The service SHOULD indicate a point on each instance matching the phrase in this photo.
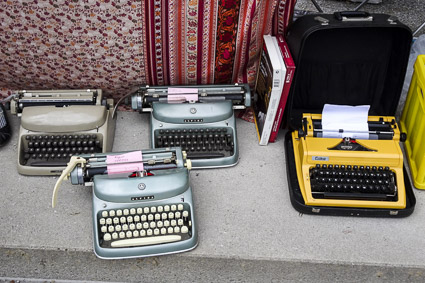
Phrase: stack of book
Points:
(274, 79)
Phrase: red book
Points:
(290, 70)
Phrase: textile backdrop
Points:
(115, 45)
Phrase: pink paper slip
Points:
(178, 95)
(125, 163)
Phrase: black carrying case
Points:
(346, 58)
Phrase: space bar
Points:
(204, 155)
(146, 241)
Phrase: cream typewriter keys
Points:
(152, 225)
(180, 222)
(136, 218)
(109, 221)
(164, 216)
(123, 220)
(185, 229)
(146, 210)
(125, 227)
(126, 212)
(180, 207)
(104, 214)
(146, 241)
(139, 210)
(118, 228)
(156, 231)
(145, 225)
(132, 226)
(116, 220)
(129, 234)
(107, 237)
(135, 234)
(166, 223)
(160, 209)
(132, 211)
(114, 235)
(111, 213)
(177, 214)
(177, 229)
(130, 219)
(170, 215)
(139, 226)
(102, 221)
(142, 233)
(166, 208)
(119, 212)
(153, 209)
(111, 229)
(143, 218)
(150, 217)
(103, 229)
(159, 224)
(173, 222)
(157, 216)
(163, 231)
(185, 213)
(149, 232)
(173, 207)
(122, 235)
(170, 230)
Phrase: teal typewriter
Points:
(142, 201)
(199, 119)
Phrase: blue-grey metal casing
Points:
(166, 187)
(217, 114)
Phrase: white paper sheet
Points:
(340, 121)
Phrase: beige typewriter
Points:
(57, 124)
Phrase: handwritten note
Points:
(125, 163)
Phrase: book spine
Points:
(290, 70)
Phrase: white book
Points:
(270, 81)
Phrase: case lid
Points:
(349, 58)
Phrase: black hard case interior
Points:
(346, 63)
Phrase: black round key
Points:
(40, 155)
(336, 167)
(72, 143)
(33, 138)
(58, 155)
(36, 144)
(78, 143)
(70, 137)
(73, 149)
(342, 167)
(324, 166)
(42, 144)
(37, 150)
(40, 137)
(387, 168)
(27, 156)
(91, 149)
(367, 167)
(348, 167)
(374, 168)
(79, 149)
(49, 149)
(361, 168)
(60, 144)
(30, 144)
(85, 149)
(355, 167)
(31, 150)
(330, 166)
(46, 155)
(27, 137)
(93, 136)
(34, 156)
(75, 136)
(84, 143)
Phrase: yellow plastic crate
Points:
(413, 123)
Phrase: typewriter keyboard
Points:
(353, 182)
(55, 150)
(198, 143)
(142, 226)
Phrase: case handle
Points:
(353, 16)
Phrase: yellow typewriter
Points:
(342, 171)
(57, 124)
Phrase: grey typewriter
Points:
(142, 201)
(198, 118)
(56, 124)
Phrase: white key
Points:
(166, 223)
(136, 218)
(122, 235)
(118, 228)
(104, 213)
(132, 211)
(185, 213)
(114, 235)
(149, 232)
(102, 221)
(126, 212)
(170, 230)
(146, 210)
(111, 229)
(190, 223)
(157, 216)
(132, 226)
(129, 219)
(153, 209)
(135, 233)
(159, 224)
(145, 225)
(185, 229)
(156, 231)
(123, 220)
(125, 227)
(109, 221)
(164, 216)
(143, 218)
(152, 225)
(171, 215)
(173, 207)
(139, 226)
(129, 234)
(163, 231)
(119, 212)
(160, 209)
(107, 237)
(146, 241)
(142, 233)
(111, 213)
(150, 217)
(166, 208)
(180, 222)
(103, 229)
(177, 229)
(139, 210)
(180, 207)
(178, 214)
(116, 220)
(173, 222)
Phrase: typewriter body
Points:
(347, 172)
(141, 207)
(56, 124)
(200, 119)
